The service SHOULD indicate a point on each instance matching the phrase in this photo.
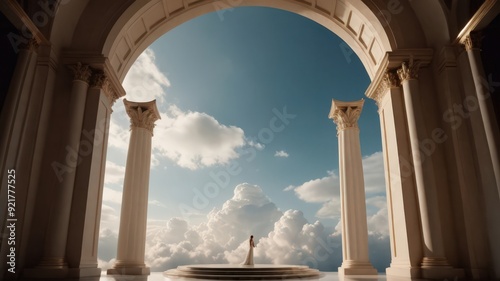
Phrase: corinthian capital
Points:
(408, 70)
(346, 114)
(31, 45)
(142, 114)
(389, 80)
(473, 41)
(81, 72)
(100, 80)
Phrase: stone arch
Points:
(369, 28)
(372, 29)
(105, 37)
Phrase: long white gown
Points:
(249, 259)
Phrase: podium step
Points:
(243, 272)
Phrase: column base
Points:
(59, 273)
(439, 268)
(138, 270)
(442, 273)
(405, 272)
(357, 268)
(478, 273)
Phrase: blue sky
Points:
(223, 83)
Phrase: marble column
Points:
(83, 233)
(485, 131)
(352, 190)
(17, 99)
(402, 199)
(18, 130)
(472, 44)
(57, 229)
(14, 111)
(132, 235)
(434, 262)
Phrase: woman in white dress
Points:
(249, 259)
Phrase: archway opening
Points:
(365, 32)
(245, 135)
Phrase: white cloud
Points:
(281, 238)
(319, 190)
(257, 145)
(144, 80)
(156, 203)
(110, 220)
(326, 190)
(281, 153)
(114, 173)
(378, 223)
(330, 209)
(119, 135)
(192, 140)
(373, 172)
(111, 196)
(105, 265)
(195, 140)
(108, 242)
(294, 240)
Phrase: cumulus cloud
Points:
(281, 238)
(190, 139)
(175, 242)
(144, 80)
(119, 134)
(156, 203)
(294, 240)
(257, 145)
(377, 216)
(281, 153)
(110, 220)
(319, 190)
(111, 196)
(373, 172)
(108, 237)
(194, 140)
(250, 211)
(114, 173)
(108, 241)
(326, 190)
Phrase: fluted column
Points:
(434, 263)
(352, 190)
(486, 141)
(13, 113)
(83, 233)
(402, 200)
(132, 235)
(57, 229)
(17, 97)
(472, 45)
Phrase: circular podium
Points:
(243, 272)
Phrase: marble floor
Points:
(327, 276)
(158, 276)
